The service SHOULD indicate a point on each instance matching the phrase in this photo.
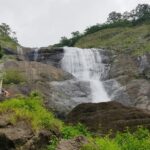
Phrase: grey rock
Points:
(117, 92)
(64, 96)
(144, 65)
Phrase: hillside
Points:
(7, 37)
(130, 39)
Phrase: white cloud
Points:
(40, 23)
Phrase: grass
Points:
(135, 40)
(7, 42)
(69, 132)
(13, 76)
(139, 140)
(31, 110)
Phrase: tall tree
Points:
(142, 11)
(5, 29)
(114, 17)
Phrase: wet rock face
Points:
(102, 117)
(117, 92)
(128, 80)
(8, 51)
(144, 65)
(64, 96)
(35, 76)
(72, 144)
(49, 56)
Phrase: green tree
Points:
(5, 29)
(64, 41)
(75, 34)
(114, 17)
(142, 11)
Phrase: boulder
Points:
(65, 95)
(103, 117)
(128, 79)
(20, 135)
(72, 144)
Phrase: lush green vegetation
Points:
(69, 132)
(134, 40)
(139, 140)
(31, 110)
(7, 37)
(13, 76)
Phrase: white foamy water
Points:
(19, 50)
(36, 53)
(86, 65)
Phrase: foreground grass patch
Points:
(31, 110)
(139, 140)
(13, 76)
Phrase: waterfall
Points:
(36, 53)
(19, 51)
(86, 65)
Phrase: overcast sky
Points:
(43, 22)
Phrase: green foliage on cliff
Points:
(31, 110)
(7, 37)
(128, 32)
(13, 76)
(135, 40)
(69, 132)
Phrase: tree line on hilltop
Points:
(139, 15)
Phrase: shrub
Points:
(31, 110)
(73, 131)
(139, 140)
(53, 143)
(101, 144)
(13, 76)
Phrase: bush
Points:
(13, 76)
(31, 110)
(69, 132)
(101, 144)
(139, 140)
(53, 143)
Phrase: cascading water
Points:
(86, 65)
(36, 53)
(20, 51)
